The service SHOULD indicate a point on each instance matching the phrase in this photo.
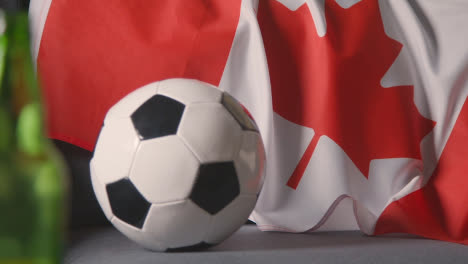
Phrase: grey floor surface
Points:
(249, 245)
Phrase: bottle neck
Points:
(19, 92)
(17, 74)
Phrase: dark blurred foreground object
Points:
(14, 4)
(33, 184)
(85, 210)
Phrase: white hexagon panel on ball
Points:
(228, 220)
(211, 132)
(178, 224)
(114, 151)
(164, 169)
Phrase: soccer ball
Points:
(178, 165)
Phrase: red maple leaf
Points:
(332, 83)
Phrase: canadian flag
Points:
(361, 103)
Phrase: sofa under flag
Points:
(361, 104)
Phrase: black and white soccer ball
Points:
(178, 165)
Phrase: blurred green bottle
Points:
(33, 183)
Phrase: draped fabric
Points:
(360, 103)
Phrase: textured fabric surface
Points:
(358, 101)
(249, 245)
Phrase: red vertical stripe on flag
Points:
(93, 53)
(440, 209)
(296, 176)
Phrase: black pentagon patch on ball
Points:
(159, 116)
(127, 203)
(196, 247)
(235, 108)
(215, 187)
